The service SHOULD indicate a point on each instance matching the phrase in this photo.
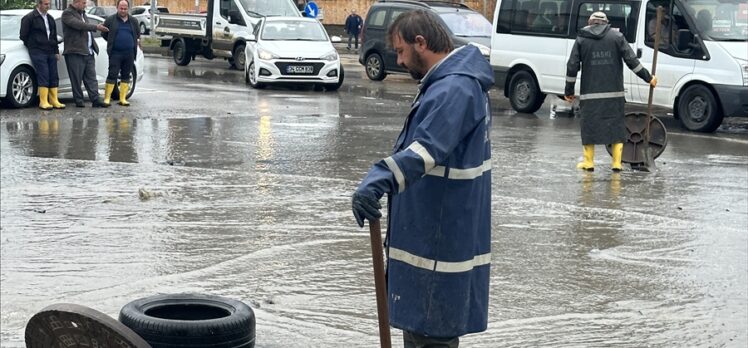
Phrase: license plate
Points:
(299, 69)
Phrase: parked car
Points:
(18, 86)
(102, 11)
(463, 24)
(292, 50)
(143, 15)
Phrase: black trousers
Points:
(120, 65)
(412, 340)
(82, 67)
(45, 65)
(351, 37)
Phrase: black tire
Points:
(251, 77)
(22, 87)
(191, 320)
(180, 54)
(698, 109)
(336, 86)
(375, 67)
(524, 93)
(143, 29)
(240, 57)
(133, 81)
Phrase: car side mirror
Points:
(59, 38)
(336, 39)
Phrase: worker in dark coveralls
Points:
(599, 50)
(438, 185)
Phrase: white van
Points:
(702, 67)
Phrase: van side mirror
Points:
(685, 40)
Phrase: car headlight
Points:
(2, 59)
(484, 50)
(330, 56)
(266, 55)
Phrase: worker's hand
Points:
(653, 81)
(365, 206)
(100, 27)
(569, 98)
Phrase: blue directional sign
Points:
(311, 10)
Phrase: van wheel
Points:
(191, 320)
(698, 109)
(524, 93)
(240, 57)
(180, 54)
(375, 67)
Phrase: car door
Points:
(222, 40)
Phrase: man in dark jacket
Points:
(353, 27)
(600, 50)
(39, 35)
(80, 48)
(438, 183)
(122, 46)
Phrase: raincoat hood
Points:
(466, 60)
(596, 31)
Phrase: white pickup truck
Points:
(221, 32)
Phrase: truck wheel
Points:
(698, 110)
(524, 93)
(240, 57)
(191, 320)
(179, 50)
(375, 67)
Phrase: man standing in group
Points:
(600, 50)
(39, 35)
(438, 183)
(353, 27)
(80, 48)
(122, 47)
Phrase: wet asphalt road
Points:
(245, 194)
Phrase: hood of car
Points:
(10, 45)
(293, 49)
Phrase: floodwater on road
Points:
(205, 185)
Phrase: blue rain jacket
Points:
(438, 182)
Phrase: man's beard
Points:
(417, 66)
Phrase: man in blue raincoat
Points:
(438, 184)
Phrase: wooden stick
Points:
(377, 255)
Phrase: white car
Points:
(18, 86)
(143, 15)
(292, 50)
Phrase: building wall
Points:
(335, 10)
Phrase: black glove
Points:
(365, 206)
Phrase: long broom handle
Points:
(658, 27)
(379, 283)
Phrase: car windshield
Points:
(464, 23)
(294, 31)
(720, 20)
(270, 8)
(10, 27)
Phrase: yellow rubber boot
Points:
(589, 155)
(53, 99)
(617, 150)
(44, 98)
(108, 89)
(123, 88)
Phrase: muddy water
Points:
(102, 207)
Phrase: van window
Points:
(394, 14)
(376, 19)
(539, 17)
(621, 17)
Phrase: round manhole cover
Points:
(636, 144)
